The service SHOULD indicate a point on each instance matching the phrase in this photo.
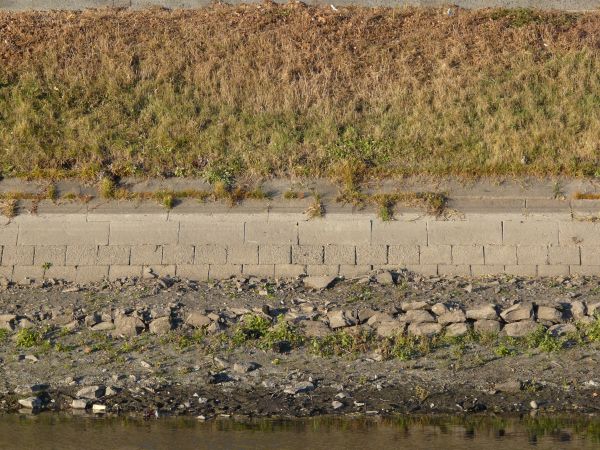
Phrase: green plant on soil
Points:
(29, 337)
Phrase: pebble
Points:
(336, 404)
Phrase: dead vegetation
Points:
(247, 92)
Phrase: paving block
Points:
(467, 254)
(564, 255)
(399, 233)
(464, 232)
(146, 255)
(49, 254)
(66, 273)
(322, 270)
(436, 254)
(340, 254)
(521, 270)
(114, 255)
(275, 232)
(478, 270)
(31, 272)
(458, 270)
(196, 272)
(500, 254)
(424, 269)
(354, 271)
(242, 254)
(289, 270)
(91, 274)
(62, 233)
(307, 254)
(210, 254)
(17, 255)
(403, 254)
(210, 231)
(590, 256)
(223, 271)
(81, 255)
(116, 272)
(334, 231)
(585, 270)
(576, 233)
(274, 254)
(553, 270)
(371, 254)
(259, 270)
(530, 233)
(8, 234)
(181, 254)
(532, 254)
(139, 233)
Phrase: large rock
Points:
(562, 329)
(7, 322)
(486, 312)
(161, 325)
(518, 312)
(339, 319)
(418, 316)
(318, 283)
(128, 326)
(385, 278)
(439, 309)
(379, 317)
(456, 316)
(390, 328)
(410, 306)
(424, 329)
(549, 313)
(301, 387)
(487, 326)
(520, 329)
(91, 392)
(578, 310)
(197, 319)
(456, 329)
(315, 328)
(31, 402)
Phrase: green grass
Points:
(298, 92)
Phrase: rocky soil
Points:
(250, 347)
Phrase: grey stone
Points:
(7, 322)
(91, 392)
(103, 326)
(300, 388)
(337, 404)
(562, 329)
(338, 319)
(418, 316)
(517, 312)
(578, 310)
(385, 278)
(128, 326)
(549, 313)
(520, 329)
(456, 329)
(439, 309)
(456, 316)
(79, 404)
(487, 326)
(411, 306)
(424, 329)
(160, 326)
(511, 386)
(315, 328)
(318, 282)
(487, 312)
(197, 319)
(390, 328)
(379, 317)
(30, 402)
(245, 367)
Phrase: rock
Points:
(533, 404)
(339, 319)
(128, 326)
(593, 309)
(30, 402)
(26, 323)
(390, 328)
(245, 367)
(7, 322)
(578, 310)
(160, 326)
(562, 329)
(79, 404)
(418, 316)
(315, 328)
(365, 314)
(549, 313)
(300, 388)
(457, 329)
(487, 326)
(517, 312)
(379, 317)
(337, 404)
(456, 316)
(97, 408)
(103, 326)
(487, 312)
(424, 329)
(520, 329)
(32, 389)
(91, 392)
(511, 386)
(439, 309)
(112, 390)
(197, 319)
(318, 283)
(385, 278)
(411, 306)
(215, 327)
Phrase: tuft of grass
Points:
(29, 337)
(107, 188)
(9, 207)
(316, 208)
(587, 195)
(52, 192)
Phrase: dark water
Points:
(74, 433)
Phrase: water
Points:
(48, 431)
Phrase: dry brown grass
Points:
(245, 92)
